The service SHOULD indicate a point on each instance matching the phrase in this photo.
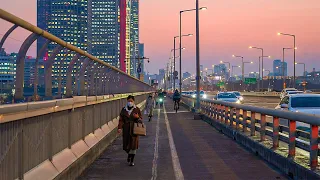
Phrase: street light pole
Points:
(180, 34)
(197, 57)
(180, 53)
(283, 78)
(260, 70)
(174, 61)
(242, 65)
(283, 74)
(268, 77)
(251, 47)
(294, 55)
(304, 69)
(232, 75)
(180, 49)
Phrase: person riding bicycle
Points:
(160, 99)
(176, 97)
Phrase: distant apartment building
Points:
(186, 75)
(30, 72)
(279, 67)
(7, 72)
(221, 70)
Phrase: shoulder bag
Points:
(139, 129)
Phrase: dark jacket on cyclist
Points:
(176, 96)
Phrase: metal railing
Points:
(85, 74)
(276, 124)
(33, 133)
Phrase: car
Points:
(302, 103)
(294, 92)
(239, 96)
(284, 92)
(203, 95)
(227, 97)
(307, 91)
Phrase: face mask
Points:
(130, 104)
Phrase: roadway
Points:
(179, 147)
(260, 101)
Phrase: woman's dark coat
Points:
(126, 122)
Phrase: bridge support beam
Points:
(36, 77)
(48, 70)
(6, 35)
(20, 65)
(69, 75)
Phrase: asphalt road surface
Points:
(265, 102)
(176, 148)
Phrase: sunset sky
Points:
(227, 27)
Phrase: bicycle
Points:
(176, 105)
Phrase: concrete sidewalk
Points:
(178, 147)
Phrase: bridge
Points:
(73, 135)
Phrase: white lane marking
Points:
(175, 159)
(156, 150)
(174, 112)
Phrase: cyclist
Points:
(160, 98)
(176, 99)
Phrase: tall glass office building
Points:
(134, 37)
(93, 26)
(105, 31)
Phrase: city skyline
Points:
(226, 28)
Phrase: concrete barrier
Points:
(57, 139)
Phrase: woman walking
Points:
(129, 115)
(149, 106)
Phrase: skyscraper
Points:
(43, 17)
(96, 26)
(68, 20)
(220, 70)
(278, 67)
(134, 36)
(141, 55)
(105, 31)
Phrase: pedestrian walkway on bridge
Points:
(179, 147)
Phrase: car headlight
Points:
(204, 96)
(241, 98)
(238, 102)
(193, 95)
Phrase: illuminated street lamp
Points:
(241, 65)
(197, 37)
(233, 68)
(174, 55)
(294, 55)
(262, 56)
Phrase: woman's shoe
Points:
(132, 158)
(129, 158)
